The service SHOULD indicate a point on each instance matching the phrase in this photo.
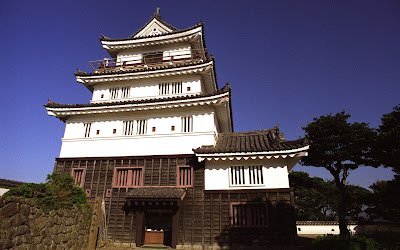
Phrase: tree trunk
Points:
(341, 186)
(342, 211)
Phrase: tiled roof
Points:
(156, 193)
(252, 141)
(52, 104)
(141, 69)
(301, 223)
(4, 183)
(175, 31)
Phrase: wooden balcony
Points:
(146, 60)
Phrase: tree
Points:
(317, 199)
(339, 147)
(389, 140)
(309, 195)
(385, 202)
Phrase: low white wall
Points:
(3, 190)
(321, 229)
(275, 174)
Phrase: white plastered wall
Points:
(161, 141)
(275, 174)
(142, 89)
(322, 229)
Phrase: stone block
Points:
(17, 241)
(5, 224)
(27, 238)
(5, 244)
(25, 209)
(17, 220)
(30, 202)
(8, 210)
(13, 199)
(33, 210)
(47, 241)
(24, 229)
(37, 239)
(52, 213)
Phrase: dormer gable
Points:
(155, 26)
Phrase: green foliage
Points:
(59, 191)
(351, 242)
(317, 199)
(385, 201)
(340, 146)
(337, 144)
(388, 152)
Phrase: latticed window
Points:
(185, 176)
(187, 124)
(128, 128)
(246, 175)
(249, 215)
(128, 177)
(141, 127)
(125, 92)
(170, 88)
(78, 174)
(87, 127)
(114, 93)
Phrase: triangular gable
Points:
(154, 27)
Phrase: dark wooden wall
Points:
(204, 215)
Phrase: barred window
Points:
(187, 124)
(246, 175)
(184, 178)
(114, 93)
(78, 174)
(126, 92)
(128, 128)
(170, 88)
(249, 215)
(128, 177)
(141, 127)
(87, 127)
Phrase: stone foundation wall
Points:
(24, 226)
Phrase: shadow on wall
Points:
(280, 232)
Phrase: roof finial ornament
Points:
(78, 70)
(157, 13)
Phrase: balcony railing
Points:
(145, 60)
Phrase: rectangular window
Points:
(128, 128)
(114, 93)
(153, 58)
(78, 174)
(249, 215)
(87, 127)
(185, 176)
(141, 127)
(128, 177)
(170, 88)
(187, 124)
(126, 92)
(246, 175)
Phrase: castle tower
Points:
(156, 142)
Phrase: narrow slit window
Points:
(87, 127)
(246, 175)
(126, 92)
(128, 128)
(141, 127)
(78, 174)
(114, 93)
(249, 215)
(185, 176)
(187, 124)
(170, 88)
(128, 177)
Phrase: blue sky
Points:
(286, 61)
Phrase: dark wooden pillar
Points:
(175, 228)
(139, 228)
